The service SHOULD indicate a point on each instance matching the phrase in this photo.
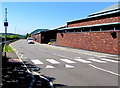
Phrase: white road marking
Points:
(49, 66)
(102, 56)
(117, 58)
(83, 61)
(52, 61)
(110, 60)
(16, 51)
(78, 57)
(67, 61)
(104, 70)
(69, 66)
(37, 61)
(21, 56)
(99, 61)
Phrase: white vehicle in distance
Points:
(30, 40)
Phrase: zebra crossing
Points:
(37, 61)
(68, 63)
(52, 61)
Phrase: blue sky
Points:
(24, 17)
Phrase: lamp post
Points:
(5, 24)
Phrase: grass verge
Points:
(7, 48)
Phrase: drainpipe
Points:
(114, 28)
(100, 29)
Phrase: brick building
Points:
(98, 32)
(94, 32)
(45, 35)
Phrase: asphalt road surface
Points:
(71, 67)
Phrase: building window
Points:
(108, 27)
(95, 28)
(87, 29)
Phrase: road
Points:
(71, 67)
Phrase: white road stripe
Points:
(102, 56)
(37, 61)
(52, 61)
(49, 66)
(83, 61)
(99, 61)
(69, 66)
(104, 70)
(67, 61)
(21, 56)
(110, 60)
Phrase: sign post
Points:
(6, 25)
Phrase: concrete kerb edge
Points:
(15, 52)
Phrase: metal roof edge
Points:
(43, 30)
(105, 13)
(93, 16)
(55, 28)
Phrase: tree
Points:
(28, 35)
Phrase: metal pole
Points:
(5, 24)
(5, 39)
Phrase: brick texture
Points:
(37, 37)
(93, 22)
(94, 41)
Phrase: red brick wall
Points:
(95, 41)
(37, 37)
(93, 22)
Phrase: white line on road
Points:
(52, 61)
(67, 61)
(99, 61)
(21, 56)
(49, 66)
(37, 61)
(83, 61)
(69, 66)
(110, 60)
(104, 70)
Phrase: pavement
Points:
(71, 67)
(13, 74)
(16, 75)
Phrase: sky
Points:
(25, 17)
